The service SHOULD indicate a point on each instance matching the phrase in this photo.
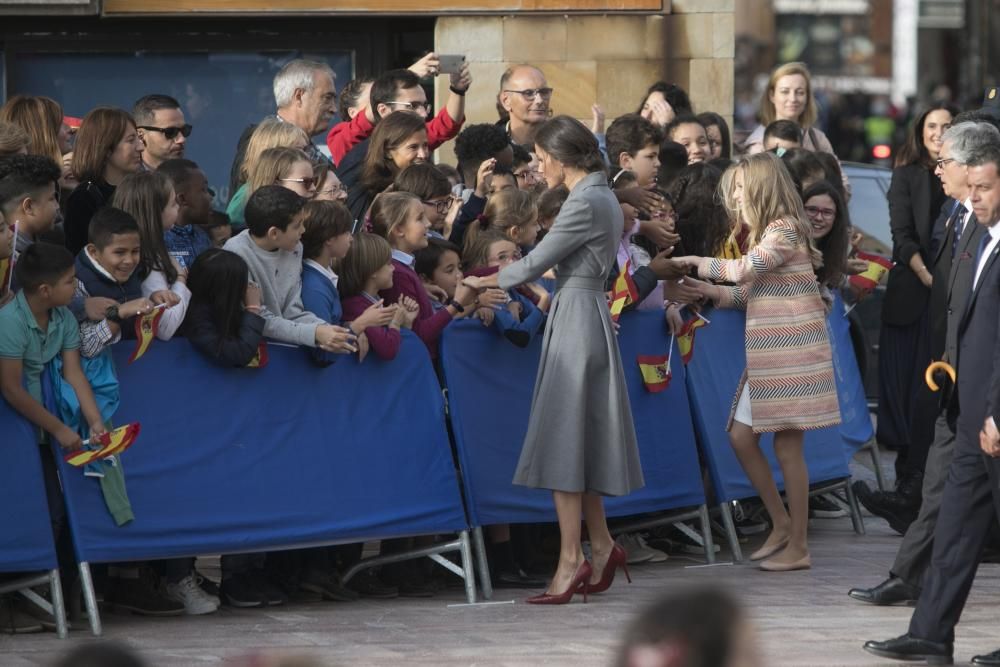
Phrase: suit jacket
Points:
(915, 199)
(959, 285)
(979, 351)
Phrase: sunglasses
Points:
(309, 182)
(170, 133)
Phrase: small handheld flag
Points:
(685, 337)
(868, 279)
(104, 445)
(655, 370)
(146, 327)
(260, 359)
(624, 291)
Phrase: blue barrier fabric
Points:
(236, 460)
(25, 527)
(490, 383)
(713, 375)
(856, 423)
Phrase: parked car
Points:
(869, 209)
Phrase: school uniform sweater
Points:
(428, 325)
(278, 273)
(383, 341)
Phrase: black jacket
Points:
(81, 206)
(915, 200)
(200, 329)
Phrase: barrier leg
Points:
(734, 539)
(58, 606)
(876, 463)
(468, 567)
(706, 534)
(90, 599)
(485, 583)
(856, 518)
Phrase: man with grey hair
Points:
(971, 497)
(952, 276)
(304, 95)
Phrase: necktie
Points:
(983, 242)
(959, 228)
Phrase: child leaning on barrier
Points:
(366, 270)
(36, 327)
(325, 242)
(439, 266)
(271, 249)
(399, 218)
(149, 197)
(519, 319)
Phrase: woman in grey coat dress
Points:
(581, 441)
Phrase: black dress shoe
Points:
(518, 579)
(891, 591)
(912, 649)
(988, 659)
(898, 509)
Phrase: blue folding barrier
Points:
(235, 460)
(490, 385)
(26, 544)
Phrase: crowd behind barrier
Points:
(290, 455)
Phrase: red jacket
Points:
(347, 134)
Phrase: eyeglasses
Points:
(941, 162)
(532, 93)
(441, 205)
(309, 182)
(332, 192)
(413, 106)
(527, 176)
(170, 133)
(824, 213)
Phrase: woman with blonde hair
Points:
(271, 133)
(788, 386)
(789, 96)
(287, 167)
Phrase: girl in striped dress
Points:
(788, 386)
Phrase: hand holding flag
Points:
(104, 445)
(624, 291)
(146, 327)
(868, 280)
(655, 370)
(685, 337)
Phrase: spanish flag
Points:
(655, 370)
(146, 327)
(260, 359)
(105, 445)
(685, 337)
(624, 291)
(878, 266)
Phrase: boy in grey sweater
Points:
(271, 248)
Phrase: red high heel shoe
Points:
(579, 584)
(618, 558)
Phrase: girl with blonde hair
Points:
(788, 386)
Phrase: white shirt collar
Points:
(968, 205)
(403, 258)
(324, 270)
(97, 266)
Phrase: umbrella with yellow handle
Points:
(938, 366)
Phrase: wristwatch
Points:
(456, 305)
(111, 314)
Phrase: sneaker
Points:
(271, 591)
(746, 524)
(328, 586)
(139, 596)
(207, 585)
(821, 507)
(196, 601)
(638, 551)
(367, 584)
(677, 541)
(237, 591)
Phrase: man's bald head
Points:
(525, 95)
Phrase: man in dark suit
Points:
(971, 498)
(953, 273)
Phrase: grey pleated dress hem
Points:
(580, 435)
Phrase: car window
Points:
(869, 209)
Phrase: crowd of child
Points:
(335, 257)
